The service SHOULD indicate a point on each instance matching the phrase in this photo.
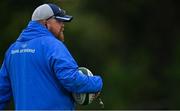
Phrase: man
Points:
(38, 69)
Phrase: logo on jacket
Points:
(24, 45)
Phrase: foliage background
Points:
(133, 44)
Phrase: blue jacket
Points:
(40, 73)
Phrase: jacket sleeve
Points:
(5, 87)
(66, 70)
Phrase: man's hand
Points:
(99, 99)
(97, 95)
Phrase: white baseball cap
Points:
(47, 11)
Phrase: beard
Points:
(61, 36)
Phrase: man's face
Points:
(56, 27)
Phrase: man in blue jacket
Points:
(38, 69)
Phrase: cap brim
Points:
(65, 18)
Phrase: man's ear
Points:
(44, 22)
